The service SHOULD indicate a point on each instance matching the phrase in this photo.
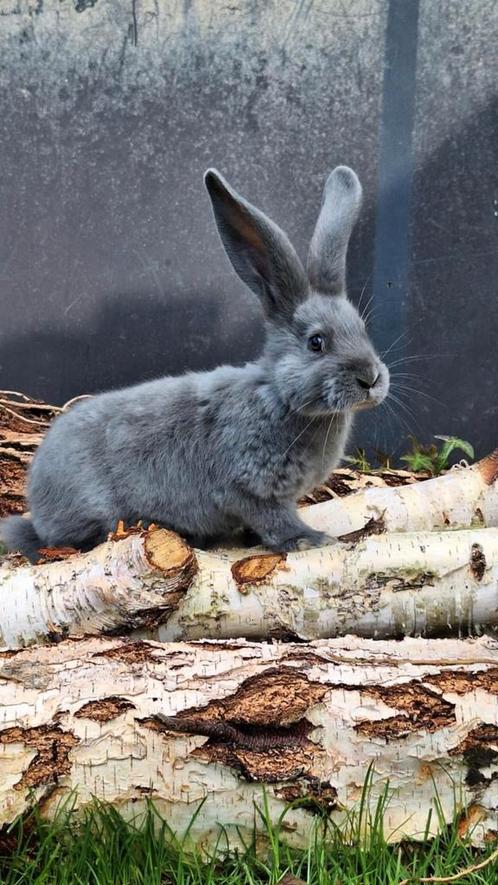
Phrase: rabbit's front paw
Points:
(305, 542)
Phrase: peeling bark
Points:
(51, 746)
(104, 709)
(419, 708)
(220, 721)
(458, 683)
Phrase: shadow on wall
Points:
(141, 334)
(452, 318)
(444, 371)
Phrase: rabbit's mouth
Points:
(351, 400)
(357, 387)
(366, 404)
(373, 397)
(372, 394)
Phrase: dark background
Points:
(110, 111)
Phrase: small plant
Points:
(433, 459)
(384, 460)
(359, 461)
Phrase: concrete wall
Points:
(110, 110)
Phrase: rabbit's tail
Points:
(18, 534)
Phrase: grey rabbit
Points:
(210, 452)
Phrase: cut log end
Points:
(170, 554)
(488, 468)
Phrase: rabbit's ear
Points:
(259, 251)
(340, 208)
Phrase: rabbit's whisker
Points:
(371, 313)
(363, 291)
(405, 408)
(303, 406)
(379, 425)
(411, 359)
(367, 305)
(412, 375)
(390, 415)
(403, 335)
(298, 436)
(401, 388)
(326, 438)
(400, 421)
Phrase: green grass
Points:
(103, 849)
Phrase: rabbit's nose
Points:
(367, 378)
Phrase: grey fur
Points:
(208, 452)
(338, 215)
(19, 533)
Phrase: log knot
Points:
(488, 468)
(171, 555)
(256, 569)
(477, 562)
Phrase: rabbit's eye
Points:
(316, 343)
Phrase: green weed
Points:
(101, 848)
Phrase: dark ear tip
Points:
(212, 178)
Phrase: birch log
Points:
(117, 587)
(425, 583)
(461, 498)
(420, 584)
(126, 720)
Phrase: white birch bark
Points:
(117, 586)
(425, 583)
(303, 722)
(461, 498)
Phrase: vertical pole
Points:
(392, 255)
